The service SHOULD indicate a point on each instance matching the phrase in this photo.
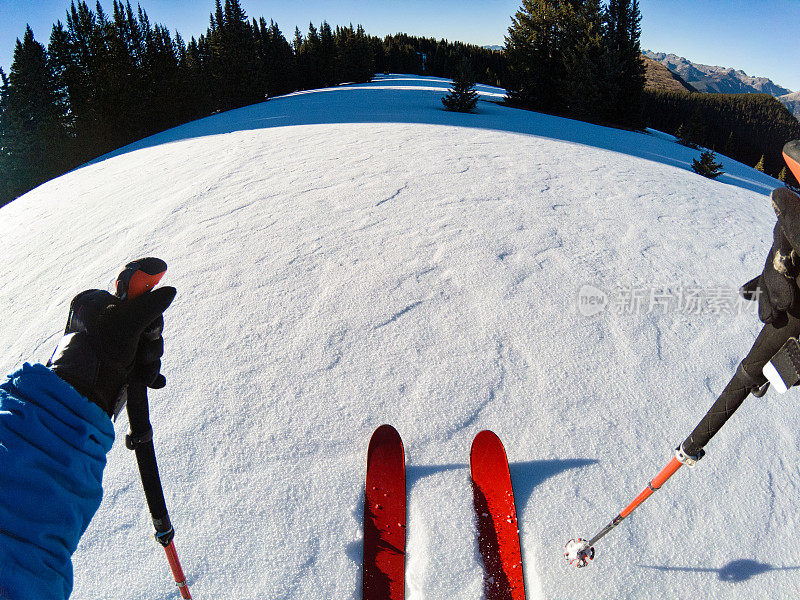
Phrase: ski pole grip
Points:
(139, 276)
(791, 154)
(748, 377)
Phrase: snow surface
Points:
(358, 256)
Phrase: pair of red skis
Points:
(385, 518)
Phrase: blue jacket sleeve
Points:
(53, 446)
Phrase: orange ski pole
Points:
(748, 379)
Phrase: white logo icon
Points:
(591, 300)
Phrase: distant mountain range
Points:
(676, 73)
(724, 80)
(792, 102)
(716, 80)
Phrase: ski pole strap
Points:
(164, 531)
(748, 376)
(783, 369)
(131, 441)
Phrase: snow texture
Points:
(358, 256)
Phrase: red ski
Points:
(498, 534)
(385, 517)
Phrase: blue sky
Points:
(757, 36)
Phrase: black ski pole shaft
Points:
(140, 440)
(139, 277)
(748, 378)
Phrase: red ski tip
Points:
(496, 517)
(384, 517)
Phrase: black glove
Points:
(108, 343)
(776, 288)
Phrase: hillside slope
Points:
(358, 256)
(659, 77)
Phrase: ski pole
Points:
(138, 277)
(748, 379)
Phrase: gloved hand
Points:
(108, 343)
(776, 288)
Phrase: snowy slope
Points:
(356, 256)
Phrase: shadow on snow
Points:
(735, 571)
(525, 476)
(417, 100)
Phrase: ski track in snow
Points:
(358, 256)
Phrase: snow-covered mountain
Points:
(707, 78)
(356, 256)
(792, 102)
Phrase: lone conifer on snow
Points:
(707, 166)
(462, 96)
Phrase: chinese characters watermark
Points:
(677, 298)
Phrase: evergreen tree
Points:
(707, 166)
(197, 92)
(572, 57)
(625, 69)
(309, 59)
(275, 58)
(80, 62)
(297, 43)
(58, 51)
(327, 56)
(32, 132)
(233, 70)
(355, 55)
(364, 66)
(730, 145)
(164, 79)
(760, 164)
(692, 133)
(6, 193)
(462, 96)
(683, 134)
(533, 48)
(235, 58)
(282, 74)
(124, 84)
(584, 91)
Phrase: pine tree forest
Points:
(106, 79)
